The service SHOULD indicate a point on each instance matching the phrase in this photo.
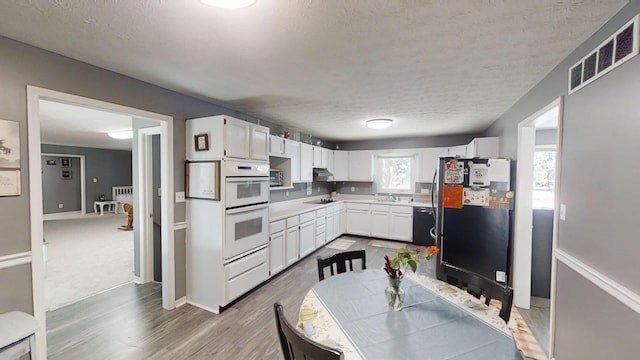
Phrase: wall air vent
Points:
(618, 48)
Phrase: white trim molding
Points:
(180, 225)
(613, 288)
(12, 260)
(181, 301)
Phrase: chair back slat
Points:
(478, 285)
(296, 346)
(339, 262)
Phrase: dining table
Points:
(349, 311)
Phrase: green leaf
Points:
(413, 264)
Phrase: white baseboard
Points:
(216, 311)
(138, 280)
(181, 301)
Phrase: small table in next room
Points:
(111, 205)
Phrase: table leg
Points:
(95, 208)
(101, 209)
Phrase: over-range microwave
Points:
(275, 177)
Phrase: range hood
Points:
(322, 174)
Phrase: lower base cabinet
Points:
(277, 243)
(292, 239)
(307, 234)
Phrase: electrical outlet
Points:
(286, 193)
(60, 206)
(318, 188)
(159, 192)
(180, 197)
(353, 189)
(95, 180)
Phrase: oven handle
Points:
(247, 179)
(247, 208)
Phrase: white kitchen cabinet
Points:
(307, 233)
(380, 226)
(358, 219)
(329, 233)
(429, 162)
(484, 147)
(292, 150)
(237, 136)
(276, 146)
(277, 261)
(321, 227)
(343, 219)
(360, 166)
(340, 165)
(259, 142)
(292, 239)
(325, 160)
(401, 223)
(330, 160)
(306, 162)
(317, 156)
(457, 151)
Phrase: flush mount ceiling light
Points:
(229, 4)
(121, 135)
(379, 123)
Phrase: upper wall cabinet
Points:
(216, 136)
(486, 147)
(306, 162)
(360, 166)
(276, 146)
(340, 165)
(292, 150)
(429, 162)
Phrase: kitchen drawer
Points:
(321, 220)
(246, 281)
(276, 226)
(399, 209)
(358, 206)
(321, 212)
(307, 216)
(293, 221)
(321, 228)
(246, 263)
(380, 207)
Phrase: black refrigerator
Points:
(473, 203)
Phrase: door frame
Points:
(145, 196)
(83, 184)
(34, 95)
(523, 208)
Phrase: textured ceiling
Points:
(324, 67)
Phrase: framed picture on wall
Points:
(66, 174)
(9, 182)
(201, 142)
(65, 162)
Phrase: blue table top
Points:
(428, 327)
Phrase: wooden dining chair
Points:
(296, 346)
(337, 263)
(478, 285)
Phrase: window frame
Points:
(378, 187)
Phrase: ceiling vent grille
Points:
(618, 48)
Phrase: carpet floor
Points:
(84, 257)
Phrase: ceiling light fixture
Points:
(229, 4)
(121, 135)
(379, 123)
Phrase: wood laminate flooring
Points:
(129, 322)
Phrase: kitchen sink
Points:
(321, 201)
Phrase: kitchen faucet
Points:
(391, 197)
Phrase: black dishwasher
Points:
(422, 223)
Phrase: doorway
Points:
(548, 118)
(165, 125)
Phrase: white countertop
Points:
(284, 209)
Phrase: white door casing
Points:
(34, 95)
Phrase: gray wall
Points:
(300, 191)
(407, 143)
(598, 183)
(58, 189)
(109, 167)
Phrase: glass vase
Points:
(395, 294)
